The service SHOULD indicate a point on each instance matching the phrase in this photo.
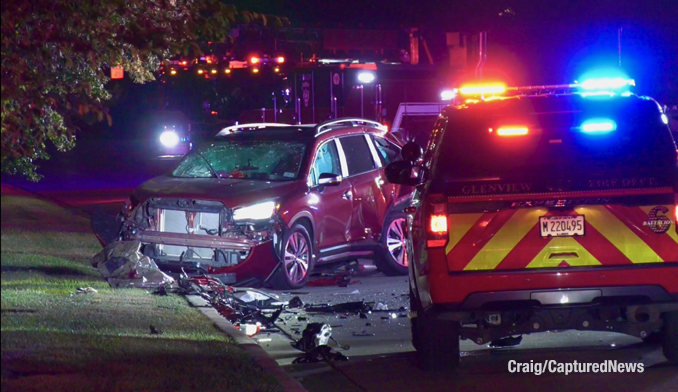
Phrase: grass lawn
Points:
(54, 339)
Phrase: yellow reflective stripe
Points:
(506, 239)
(563, 245)
(672, 230)
(619, 234)
(459, 225)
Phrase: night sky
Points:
(529, 41)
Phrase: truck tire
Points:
(437, 342)
(670, 335)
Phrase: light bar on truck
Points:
(511, 131)
(606, 83)
(482, 89)
(598, 126)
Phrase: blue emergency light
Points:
(598, 125)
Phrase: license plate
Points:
(561, 226)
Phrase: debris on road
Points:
(335, 280)
(381, 306)
(363, 333)
(123, 265)
(313, 343)
(351, 307)
(295, 303)
(511, 341)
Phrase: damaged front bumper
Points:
(198, 237)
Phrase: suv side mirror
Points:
(411, 152)
(329, 179)
(400, 172)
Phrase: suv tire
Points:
(297, 260)
(436, 341)
(670, 335)
(393, 259)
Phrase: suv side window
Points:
(388, 152)
(326, 161)
(358, 154)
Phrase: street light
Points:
(364, 78)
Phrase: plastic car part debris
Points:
(350, 307)
(320, 353)
(162, 291)
(363, 315)
(381, 306)
(362, 333)
(249, 329)
(123, 265)
(314, 335)
(86, 290)
(295, 303)
(511, 341)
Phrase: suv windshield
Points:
(557, 142)
(271, 160)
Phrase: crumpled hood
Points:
(232, 192)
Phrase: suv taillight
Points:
(436, 236)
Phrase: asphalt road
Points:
(100, 175)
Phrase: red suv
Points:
(267, 203)
(542, 211)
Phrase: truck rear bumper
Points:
(487, 316)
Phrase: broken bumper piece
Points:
(123, 265)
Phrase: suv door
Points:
(333, 205)
(367, 187)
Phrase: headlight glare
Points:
(259, 211)
(169, 138)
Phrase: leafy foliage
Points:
(56, 55)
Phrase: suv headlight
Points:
(259, 211)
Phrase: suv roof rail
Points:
(250, 126)
(348, 121)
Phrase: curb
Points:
(250, 345)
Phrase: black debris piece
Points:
(402, 309)
(362, 333)
(295, 303)
(314, 335)
(350, 307)
(155, 331)
(368, 324)
(320, 353)
(162, 291)
(363, 315)
(511, 341)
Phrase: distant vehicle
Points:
(268, 203)
(539, 209)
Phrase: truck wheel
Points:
(437, 342)
(297, 263)
(393, 260)
(670, 334)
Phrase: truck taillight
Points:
(437, 226)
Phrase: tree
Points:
(56, 55)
